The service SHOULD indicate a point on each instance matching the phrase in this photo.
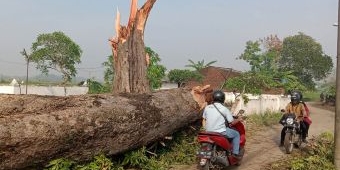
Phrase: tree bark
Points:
(129, 57)
(36, 129)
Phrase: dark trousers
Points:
(307, 128)
(303, 131)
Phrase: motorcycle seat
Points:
(215, 134)
(210, 133)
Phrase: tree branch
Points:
(144, 14)
(133, 13)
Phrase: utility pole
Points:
(337, 100)
(27, 58)
(27, 61)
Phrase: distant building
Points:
(14, 83)
(215, 77)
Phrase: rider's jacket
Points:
(298, 109)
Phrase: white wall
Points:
(261, 103)
(166, 85)
(44, 90)
(256, 104)
(6, 89)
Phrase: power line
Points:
(12, 62)
(89, 68)
(94, 69)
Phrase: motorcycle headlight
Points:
(290, 121)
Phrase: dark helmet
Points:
(219, 96)
(295, 97)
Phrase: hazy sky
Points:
(177, 30)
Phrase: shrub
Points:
(318, 155)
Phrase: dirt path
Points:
(263, 148)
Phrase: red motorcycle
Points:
(216, 150)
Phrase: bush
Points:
(97, 88)
(318, 155)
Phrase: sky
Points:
(178, 30)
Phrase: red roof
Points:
(214, 76)
(217, 76)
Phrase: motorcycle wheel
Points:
(288, 143)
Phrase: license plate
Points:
(204, 154)
(205, 151)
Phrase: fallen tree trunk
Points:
(36, 129)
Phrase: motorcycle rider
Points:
(215, 118)
(306, 123)
(296, 107)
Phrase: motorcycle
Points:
(216, 150)
(293, 133)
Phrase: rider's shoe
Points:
(238, 157)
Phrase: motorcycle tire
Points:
(288, 143)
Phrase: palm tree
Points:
(199, 65)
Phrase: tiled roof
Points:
(215, 76)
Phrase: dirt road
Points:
(263, 148)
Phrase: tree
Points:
(273, 47)
(156, 72)
(199, 65)
(252, 55)
(305, 56)
(58, 52)
(263, 56)
(109, 70)
(129, 57)
(182, 76)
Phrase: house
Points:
(217, 76)
(270, 100)
(214, 76)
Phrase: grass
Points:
(256, 122)
(265, 119)
(317, 155)
(311, 96)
